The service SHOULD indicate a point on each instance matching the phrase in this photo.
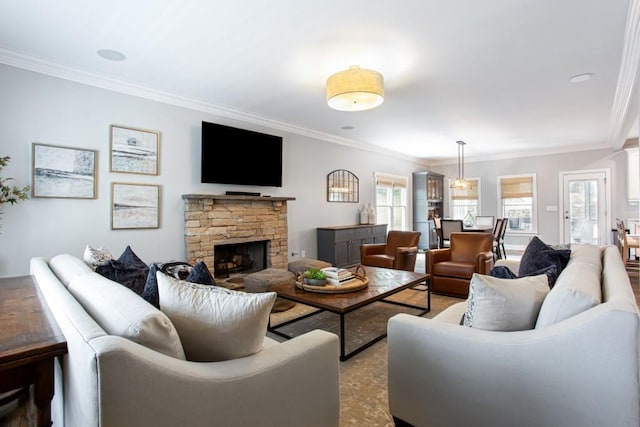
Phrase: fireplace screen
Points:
(240, 258)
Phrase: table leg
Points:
(342, 345)
(43, 391)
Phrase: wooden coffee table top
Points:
(383, 282)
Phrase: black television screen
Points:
(239, 156)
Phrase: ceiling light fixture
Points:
(581, 78)
(460, 183)
(355, 89)
(111, 55)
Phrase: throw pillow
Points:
(502, 272)
(214, 323)
(128, 270)
(93, 257)
(539, 255)
(198, 274)
(505, 304)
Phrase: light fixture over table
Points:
(355, 89)
(460, 183)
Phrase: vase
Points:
(371, 213)
(468, 220)
(364, 215)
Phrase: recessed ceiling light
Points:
(347, 127)
(111, 55)
(581, 78)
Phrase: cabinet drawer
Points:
(342, 235)
(364, 231)
(379, 229)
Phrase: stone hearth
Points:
(220, 219)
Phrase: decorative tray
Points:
(360, 281)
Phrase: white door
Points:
(584, 207)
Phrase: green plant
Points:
(314, 273)
(11, 194)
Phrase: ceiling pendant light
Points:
(460, 183)
(355, 89)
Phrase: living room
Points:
(54, 103)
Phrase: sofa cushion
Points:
(453, 269)
(128, 270)
(66, 267)
(123, 313)
(577, 289)
(539, 255)
(505, 304)
(214, 323)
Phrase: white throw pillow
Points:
(123, 313)
(214, 323)
(505, 304)
(94, 256)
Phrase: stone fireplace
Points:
(215, 220)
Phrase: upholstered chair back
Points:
(466, 246)
(396, 239)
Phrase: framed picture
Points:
(63, 172)
(134, 206)
(134, 150)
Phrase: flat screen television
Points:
(239, 156)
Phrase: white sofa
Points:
(577, 367)
(107, 380)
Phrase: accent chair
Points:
(399, 252)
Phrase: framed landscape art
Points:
(134, 206)
(63, 172)
(134, 150)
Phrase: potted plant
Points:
(11, 194)
(315, 277)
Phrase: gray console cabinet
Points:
(340, 245)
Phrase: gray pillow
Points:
(538, 255)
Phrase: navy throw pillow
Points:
(200, 274)
(128, 270)
(150, 292)
(539, 255)
(503, 272)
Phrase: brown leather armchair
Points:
(451, 268)
(399, 252)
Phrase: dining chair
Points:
(484, 221)
(449, 226)
(626, 242)
(496, 239)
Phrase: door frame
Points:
(607, 202)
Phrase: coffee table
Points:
(383, 282)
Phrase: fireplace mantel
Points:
(236, 197)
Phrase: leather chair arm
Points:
(405, 258)
(372, 249)
(484, 262)
(435, 256)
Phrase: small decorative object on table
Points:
(315, 277)
(336, 281)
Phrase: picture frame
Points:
(134, 150)
(134, 206)
(63, 172)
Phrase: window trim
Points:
(534, 202)
(403, 182)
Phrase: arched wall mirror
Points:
(342, 186)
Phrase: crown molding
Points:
(626, 101)
(91, 79)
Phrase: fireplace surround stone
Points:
(225, 219)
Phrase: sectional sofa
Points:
(137, 374)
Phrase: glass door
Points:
(584, 208)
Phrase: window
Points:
(517, 197)
(391, 201)
(463, 201)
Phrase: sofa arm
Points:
(446, 374)
(405, 258)
(293, 383)
(484, 262)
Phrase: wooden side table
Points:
(30, 339)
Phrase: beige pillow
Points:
(119, 311)
(214, 323)
(505, 304)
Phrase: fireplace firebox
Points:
(240, 258)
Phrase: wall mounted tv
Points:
(239, 156)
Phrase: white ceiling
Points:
(493, 73)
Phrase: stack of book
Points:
(338, 276)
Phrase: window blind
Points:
(516, 187)
(390, 181)
(470, 193)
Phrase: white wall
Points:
(547, 170)
(48, 110)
